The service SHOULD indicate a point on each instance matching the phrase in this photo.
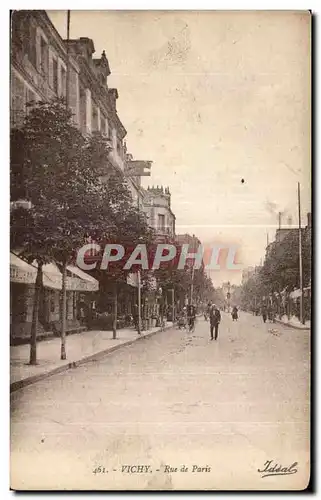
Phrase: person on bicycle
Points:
(182, 319)
(191, 315)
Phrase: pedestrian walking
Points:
(264, 314)
(207, 310)
(191, 316)
(234, 313)
(215, 319)
(269, 314)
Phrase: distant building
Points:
(193, 241)
(282, 233)
(157, 207)
(247, 273)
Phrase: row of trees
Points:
(280, 272)
(74, 194)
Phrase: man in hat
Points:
(215, 318)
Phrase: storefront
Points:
(22, 287)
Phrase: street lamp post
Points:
(173, 305)
(228, 296)
(192, 286)
(63, 354)
(139, 302)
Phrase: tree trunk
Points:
(115, 312)
(63, 311)
(34, 324)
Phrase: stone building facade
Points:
(157, 207)
(39, 72)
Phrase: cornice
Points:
(87, 76)
(55, 40)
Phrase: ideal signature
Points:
(275, 469)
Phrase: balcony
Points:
(164, 231)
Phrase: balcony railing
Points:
(164, 230)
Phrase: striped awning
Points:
(81, 281)
(295, 294)
(22, 272)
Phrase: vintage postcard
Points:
(160, 264)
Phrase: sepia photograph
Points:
(160, 250)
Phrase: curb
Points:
(289, 325)
(19, 384)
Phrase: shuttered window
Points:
(30, 37)
(44, 57)
(63, 81)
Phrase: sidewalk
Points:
(293, 323)
(80, 347)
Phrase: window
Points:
(55, 75)
(44, 57)
(18, 21)
(106, 130)
(94, 117)
(82, 109)
(63, 81)
(17, 101)
(29, 41)
(102, 124)
(119, 147)
(161, 222)
(114, 138)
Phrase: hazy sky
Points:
(213, 98)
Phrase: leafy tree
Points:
(128, 228)
(281, 269)
(51, 167)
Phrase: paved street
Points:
(171, 400)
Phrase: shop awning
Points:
(22, 272)
(81, 281)
(295, 294)
(132, 279)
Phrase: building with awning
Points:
(23, 272)
(80, 289)
(81, 281)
